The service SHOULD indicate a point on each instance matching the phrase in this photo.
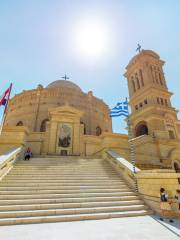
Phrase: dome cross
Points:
(65, 77)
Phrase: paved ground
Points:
(136, 228)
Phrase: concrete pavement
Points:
(136, 228)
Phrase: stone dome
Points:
(64, 84)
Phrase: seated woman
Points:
(28, 154)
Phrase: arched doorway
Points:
(141, 129)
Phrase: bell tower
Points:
(151, 109)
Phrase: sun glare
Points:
(92, 39)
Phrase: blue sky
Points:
(37, 44)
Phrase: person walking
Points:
(165, 205)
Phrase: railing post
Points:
(132, 151)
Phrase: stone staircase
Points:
(65, 189)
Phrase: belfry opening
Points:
(141, 129)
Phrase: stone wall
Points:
(150, 182)
(13, 137)
(31, 108)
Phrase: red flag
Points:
(4, 99)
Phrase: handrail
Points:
(122, 161)
(7, 160)
(124, 167)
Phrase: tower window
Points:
(136, 107)
(171, 134)
(156, 77)
(137, 80)
(133, 84)
(152, 73)
(20, 123)
(158, 101)
(145, 101)
(162, 102)
(160, 79)
(141, 76)
(140, 104)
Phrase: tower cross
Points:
(138, 48)
(65, 77)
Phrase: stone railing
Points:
(124, 167)
(8, 159)
(148, 182)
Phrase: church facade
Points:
(63, 120)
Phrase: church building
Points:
(61, 119)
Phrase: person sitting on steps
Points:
(28, 154)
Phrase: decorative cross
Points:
(65, 77)
(138, 48)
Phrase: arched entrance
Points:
(141, 129)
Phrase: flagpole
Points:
(5, 110)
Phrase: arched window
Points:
(137, 81)
(141, 129)
(98, 131)
(160, 79)
(133, 84)
(171, 134)
(152, 73)
(84, 127)
(156, 77)
(20, 123)
(141, 76)
(43, 125)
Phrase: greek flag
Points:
(121, 109)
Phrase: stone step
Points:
(63, 164)
(75, 195)
(69, 211)
(62, 168)
(39, 184)
(60, 187)
(49, 166)
(39, 173)
(60, 177)
(66, 200)
(68, 205)
(64, 191)
(58, 182)
(66, 173)
(69, 180)
(77, 217)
